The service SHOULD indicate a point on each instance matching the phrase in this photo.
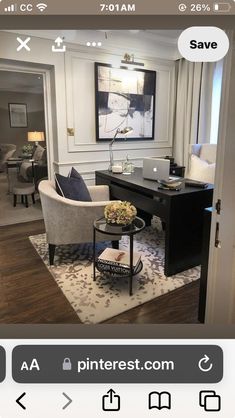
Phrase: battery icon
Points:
(222, 7)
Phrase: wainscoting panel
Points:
(87, 167)
(83, 151)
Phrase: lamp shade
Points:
(36, 136)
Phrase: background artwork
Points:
(124, 98)
(18, 115)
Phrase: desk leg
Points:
(131, 265)
(94, 253)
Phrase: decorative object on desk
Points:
(117, 169)
(172, 160)
(27, 150)
(124, 131)
(171, 184)
(124, 97)
(36, 137)
(127, 166)
(18, 115)
(120, 213)
(195, 183)
(103, 299)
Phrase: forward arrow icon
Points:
(68, 399)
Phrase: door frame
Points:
(46, 73)
(220, 306)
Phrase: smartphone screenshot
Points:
(117, 208)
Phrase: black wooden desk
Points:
(182, 213)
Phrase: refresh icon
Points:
(204, 364)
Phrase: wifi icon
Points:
(41, 6)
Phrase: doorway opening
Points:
(25, 148)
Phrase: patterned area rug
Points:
(107, 297)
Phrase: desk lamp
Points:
(124, 131)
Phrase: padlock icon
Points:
(67, 365)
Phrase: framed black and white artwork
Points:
(18, 115)
(124, 98)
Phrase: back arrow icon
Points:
(18, 400)
(68, 399)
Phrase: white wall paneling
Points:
(83, 149)
(71, 102)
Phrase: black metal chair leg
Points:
(115, 244)
(26, 201)
(51, 248)
(33, 198)
(14, 200)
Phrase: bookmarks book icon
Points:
(160, 400)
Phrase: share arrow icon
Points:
(68, 399)
(111, 401)
(59, 47)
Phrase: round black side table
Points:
(100, 225)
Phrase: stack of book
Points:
(117, 261)
(171, 183)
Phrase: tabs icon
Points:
(209, 400)
(59, 47)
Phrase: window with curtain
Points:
(216, 98)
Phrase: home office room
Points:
(119, 180)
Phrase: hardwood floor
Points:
(30, 295)
(28, 292)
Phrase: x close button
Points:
(23, 44)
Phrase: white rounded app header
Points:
(203, 44)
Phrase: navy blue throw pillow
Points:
(73, 188)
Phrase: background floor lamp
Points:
(124, 131)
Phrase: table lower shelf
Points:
(114, 274)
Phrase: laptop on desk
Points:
(156, 169)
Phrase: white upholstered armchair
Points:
(6, 151)
(202, 159)
(71, 222)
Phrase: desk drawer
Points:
(154, 206)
